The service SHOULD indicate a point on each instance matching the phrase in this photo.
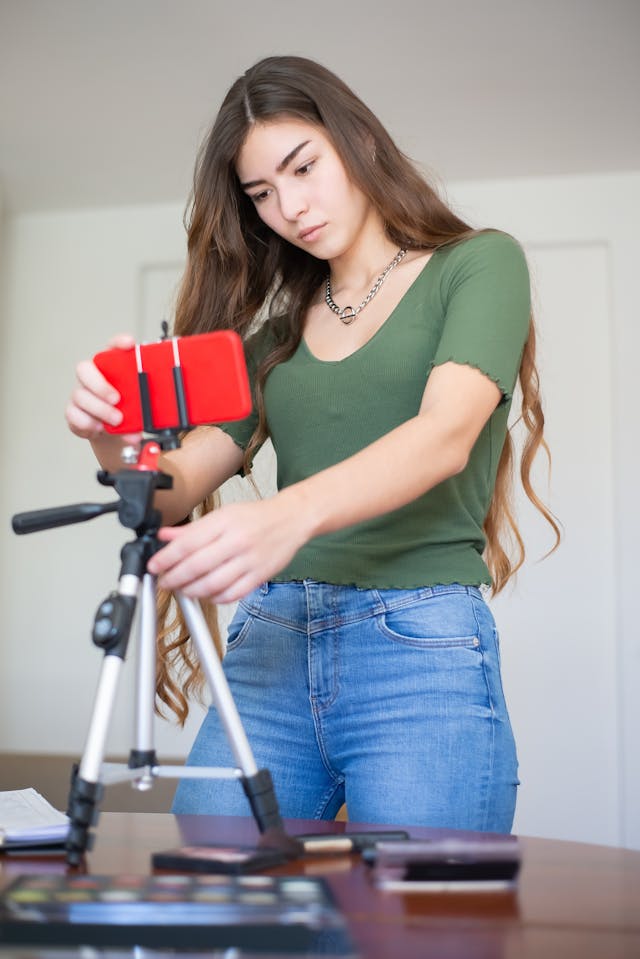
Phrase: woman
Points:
(362, 657)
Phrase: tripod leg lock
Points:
(261, 795)
(139, 758)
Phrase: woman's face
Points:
(300, 188)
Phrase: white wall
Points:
(73, 280)
(572, 644)
(570, 650)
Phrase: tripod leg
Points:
(144, 754)
(86, 790)
(256, 782)
(111, 631)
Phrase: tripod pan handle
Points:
(41, 519)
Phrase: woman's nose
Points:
(293, 203)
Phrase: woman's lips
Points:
(311, 233)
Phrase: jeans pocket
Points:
(243, 619)
(238, 629)
(439, 621)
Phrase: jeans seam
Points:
(317, 702)
(491, 756)
(416, 596)
(317, 725)
(277, 621)
(493, 720)
(328, 795)
(315, 712)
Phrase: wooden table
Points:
(572, 899)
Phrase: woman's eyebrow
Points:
(281, 166)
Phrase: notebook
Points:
(28, 820)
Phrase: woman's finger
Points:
(90, 377)
(95, 407)
(122, 341)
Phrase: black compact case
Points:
(234, 860)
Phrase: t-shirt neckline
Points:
(374, 336)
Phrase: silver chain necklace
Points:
(347, 314)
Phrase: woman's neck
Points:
(360, 265)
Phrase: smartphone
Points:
(178, 382)
(236, 860)
(428, 865)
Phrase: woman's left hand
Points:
(230, 551)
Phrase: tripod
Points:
(112, 627)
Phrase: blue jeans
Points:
(389, 700)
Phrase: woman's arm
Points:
(207, 458)
(408, 461)
(231, 551)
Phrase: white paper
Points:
(27, 817)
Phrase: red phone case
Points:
(214, 373)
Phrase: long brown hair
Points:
(236, 266)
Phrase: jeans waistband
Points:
(322, 604)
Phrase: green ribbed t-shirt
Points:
(470, 304)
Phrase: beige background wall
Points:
(569, 643)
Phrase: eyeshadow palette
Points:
(256, 914)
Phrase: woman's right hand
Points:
(93, 401)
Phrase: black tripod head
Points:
(136, 486)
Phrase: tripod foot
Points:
(264, 805)
(83, 812)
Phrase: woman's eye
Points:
(305, 168)
(259, 197)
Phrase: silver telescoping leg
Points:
(257, 783)
(111, 632)
(112, 629)
(219, 688)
